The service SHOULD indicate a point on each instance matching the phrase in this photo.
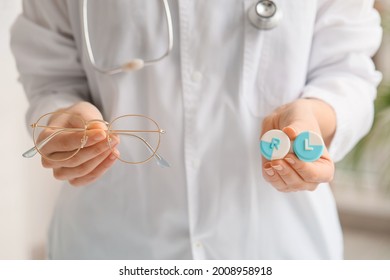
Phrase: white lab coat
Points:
(210, 95)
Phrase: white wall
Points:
(27, 191)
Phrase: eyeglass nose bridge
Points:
(84, 140)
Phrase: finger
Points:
(82, 156)
(291, 178)
(271, 176)
(291, 132)
(320, 171)
(297, 127)
(69, 173)
(71, 141)
(97, 172)
(94, 136)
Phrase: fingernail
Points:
(290, 161)
(270, 172)
(278, 167)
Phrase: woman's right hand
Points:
(93, 160)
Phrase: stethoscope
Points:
(264, 14)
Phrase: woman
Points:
(225, 83)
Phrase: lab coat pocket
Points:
(275, 61)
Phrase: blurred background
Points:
(28, 192)
(362, 181)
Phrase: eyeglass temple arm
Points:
(34, 150)
(160, 160)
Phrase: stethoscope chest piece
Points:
(264, 14)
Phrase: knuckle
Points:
(93, 177)
(87, 179)
(314, 176)
(301, 166)
(81, 170)
(266, 176)
(303, 187)
(281, 189)
(59, 174)
(297, 186)
(98, 149)
(312, 187)
(286, 172)
(278, 184)
(96, 173)
(76, 183)
(272, 179)
(73, 161)
(64, 145)
(326, 178)
(331, 174)
(106, 165)
(46, 163)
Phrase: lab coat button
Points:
(197, 77)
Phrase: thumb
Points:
(88, 111)
(293, 130)
(296, 127)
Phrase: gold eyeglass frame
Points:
(38, 146)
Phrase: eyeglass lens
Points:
(139, 137)
(59, 128)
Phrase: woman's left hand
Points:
(291, 174)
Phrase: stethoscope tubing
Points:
(134, 64)
(258, 20)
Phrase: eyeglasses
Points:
(139, 137)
